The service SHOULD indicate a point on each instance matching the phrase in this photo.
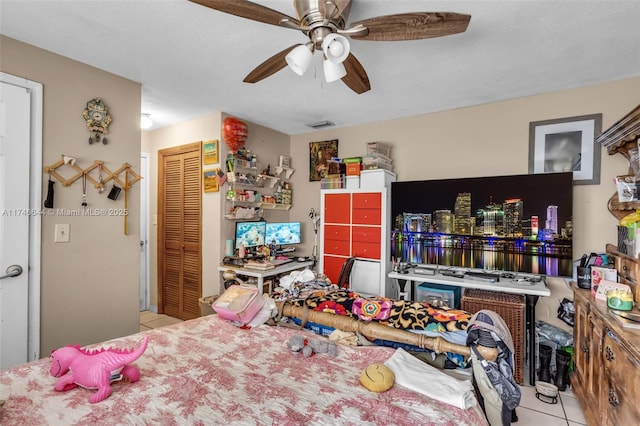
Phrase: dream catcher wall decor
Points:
(96, 114)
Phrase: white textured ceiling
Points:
(191, 60)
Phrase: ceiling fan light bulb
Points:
(299, 59)
(335, 47)
(333, 71)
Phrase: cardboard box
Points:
(376, 178)
(353, 169)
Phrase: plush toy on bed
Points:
(94, 369)
(309, 347)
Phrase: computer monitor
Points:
(283, 233)
(250, 234)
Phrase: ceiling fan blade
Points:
(270, 66)
(356, 78)
(412, 26)
(246, 9)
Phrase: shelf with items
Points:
(244, 213)
(251, 185)
(286, 170)
(275, 206)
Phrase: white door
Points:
(144, 231)
(19, 220)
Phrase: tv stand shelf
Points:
(531, 291)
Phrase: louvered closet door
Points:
(179, 206)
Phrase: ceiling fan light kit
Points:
(333, 70)
(324, 23)
(335, 47)
(300, 58)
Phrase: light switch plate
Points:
(62, 233)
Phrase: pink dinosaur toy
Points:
(94, 369)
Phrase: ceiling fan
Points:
(325, 24)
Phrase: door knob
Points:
(12, 271)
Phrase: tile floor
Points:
(531, 411)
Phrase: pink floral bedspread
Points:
(209, 372)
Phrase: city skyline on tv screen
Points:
(517, 223)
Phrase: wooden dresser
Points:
(606, 376)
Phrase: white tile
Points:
(528, 417)
(148, 316)
(572, 409)
(163, 321)
(575, 424)
(529, 400)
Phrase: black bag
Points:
(566, 311)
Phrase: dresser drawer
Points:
(367, 216)
(339, 247)
(627, 269)
(367, 250)
(367, 200)
(621, 393)
(365, 234)
(336, 232)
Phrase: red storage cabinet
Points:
(356, 223)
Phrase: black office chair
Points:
(345, 273)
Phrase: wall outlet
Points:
(62, 233)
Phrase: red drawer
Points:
(367, 200)
(337, 208)
(336, 232)
(339, 247)
(367, 216)
(367, 250)
(365, 234)
(332, 266)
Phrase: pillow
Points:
(377, 378)
(372, 309)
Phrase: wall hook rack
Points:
(129, 179)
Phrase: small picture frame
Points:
(285, 161)
(567, 145)
(210, 151)
(209, 181)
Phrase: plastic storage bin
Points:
(379, 148)
(239, 303)
(437, 294)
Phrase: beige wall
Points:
(89, 285)
(486, 140)
(266, 143)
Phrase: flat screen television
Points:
(283, 233)
(250, 234)
(517, 224)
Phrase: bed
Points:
(209, 371)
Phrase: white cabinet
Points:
(356, 223)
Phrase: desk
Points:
(531, 291)
(261, 275)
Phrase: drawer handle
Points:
(609, 354)
(613, 398)
(585, 349)
(625, 268)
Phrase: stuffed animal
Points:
(309, 347)
(94, 369)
